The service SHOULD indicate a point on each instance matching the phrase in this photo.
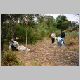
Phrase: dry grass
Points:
(9, 58)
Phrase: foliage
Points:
(20, 33)
(36, 25)
(9, 58)
(62, 22)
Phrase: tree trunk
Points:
(1, 46)
(26, 40)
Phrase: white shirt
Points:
(15, 44)
(53, 35)
(60, 40)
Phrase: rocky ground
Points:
(43, 53)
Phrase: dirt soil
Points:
(43, 53)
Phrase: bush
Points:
(21, 33)
(9, 58)
(33, 35)
(72, 38)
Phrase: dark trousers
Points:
(14, 48)
(53, 40)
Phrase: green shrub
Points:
(21, 33)
(9, 58)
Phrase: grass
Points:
(9, 58)
(72, 40)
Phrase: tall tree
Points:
(62, 22)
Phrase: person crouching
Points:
(60, 41)
(13, 45)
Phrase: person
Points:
(13, 45)
(53, 37)
(63, 36)
(23, 48)
(60, 41)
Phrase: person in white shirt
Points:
(53, 37)
(13, 45)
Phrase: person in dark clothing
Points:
(63, 36)
(13, 45)
(13, 48)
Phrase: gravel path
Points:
(43, 53)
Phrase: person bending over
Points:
(53, 37)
